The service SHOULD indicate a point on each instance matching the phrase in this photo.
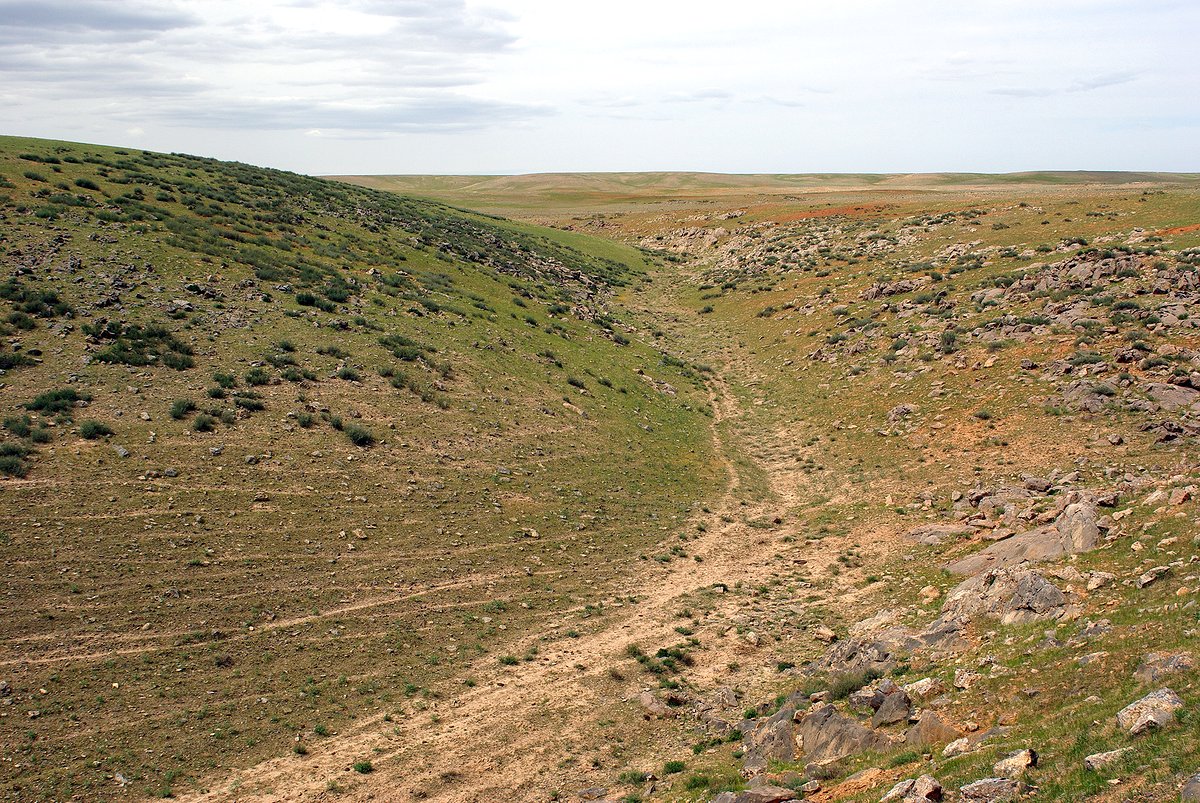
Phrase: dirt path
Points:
(503, 738)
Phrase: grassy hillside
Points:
(283, 454)
(891, 359)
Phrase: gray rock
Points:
(1155, 710)
(592, 793)
(1015, 596)
(827, 735)
(1041, 544)
(1077, 528)
(1157, 665)
(937, 534)
(1152, 576)
(930, 729)
(1098, 761)
(1172, 397)
(992, 790)
(1190, 793)
(761, 794)
(914, 790)
(772, 739)
(896, 707)
(1016, 763)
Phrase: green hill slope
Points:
(281, 453)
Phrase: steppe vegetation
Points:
(680, 486)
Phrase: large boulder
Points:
(895, 707)
(1078, 528)
(1155, 710)
(1015, 596)
(914, 790)
(826, 735)
(1040, 544)
(773, 739)
(1157, 665)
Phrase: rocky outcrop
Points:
(1014, 596)
(827, 735)
(1155, 710)
(773, 739)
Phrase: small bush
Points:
(204, 423)
(56, 401)
(359, 436)
(363, 767)
(20, 427)
(92, 430)
(257, 376)
(349, 374)
(181, 407)
(672, 767)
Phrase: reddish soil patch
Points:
(1181, 229)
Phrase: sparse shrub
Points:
(57, 401)
(21, 427)
(204, 423)
(672, 767)
(349, 374)
(363, 767)
(92, 430)
(181, 407)
(257, 376)
(359, 436)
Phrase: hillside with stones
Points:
(870, 490)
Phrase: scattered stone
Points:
(654, 707)
(1098, 761)
(592, 793)
(1155, 710)
(992, 790)
(1152, 576)
(914, 790)
(1098, 580)
(1016, 763)
(928, 594)
(1157, 665)
(121, 451)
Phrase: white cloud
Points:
(536, 85)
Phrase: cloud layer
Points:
(529, 85)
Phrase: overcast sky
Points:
(515, 86)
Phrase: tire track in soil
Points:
(492, 740)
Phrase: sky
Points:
(523, 86)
